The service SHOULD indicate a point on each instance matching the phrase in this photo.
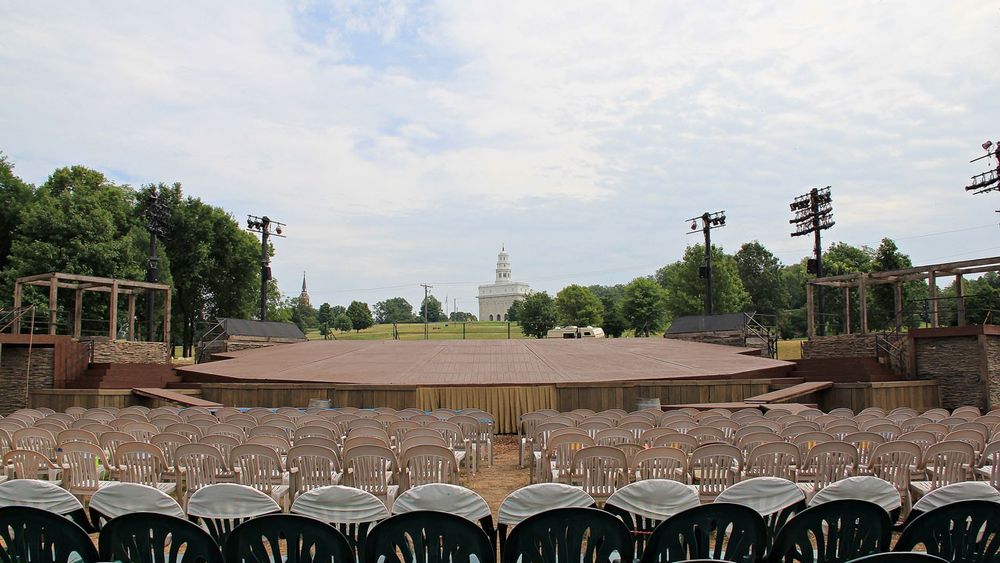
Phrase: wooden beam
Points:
(125, 284)
(17, 304)
(26, 279)
(810, 314)
(53, 304)
(847, 310)
(863, 303)
(113, 320)
(897, 303)
(166, 323)
(960, 294)
(932, 291)
(78, 314)
(131, 317)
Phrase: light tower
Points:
(709, 221)
(814, 213)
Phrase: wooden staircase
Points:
(843, 370)
(125, 376)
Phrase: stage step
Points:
(793, 392)
(842, 370)
(125, 376)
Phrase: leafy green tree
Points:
(461, 317)
(342, 322)
(644, 306)
(360, 315)
(323, 315)
(577, 305)
(686, 289)
(792, 319)
(303, 315)
(539, 315)
(434, 312)
(760, 274)
(614, 324)
(515, 311)
(395, 310)
(882, 310)
(337, 310)
(613, 292)
(15, 196)
(842, 258)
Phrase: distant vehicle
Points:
(576, 332)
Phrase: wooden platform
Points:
(174, 397)
(788, 393)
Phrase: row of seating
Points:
(832, 532)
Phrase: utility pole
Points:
(813, 214)
(427, 289)
(709, 221)
(157, 216)
(267, 228)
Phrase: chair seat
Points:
(921, 488)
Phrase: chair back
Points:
(37, 535)
(643, 505)
(660, 462)
(350, 510)
(964, 531)
(140, 462)
(444, 497)
(731, 532)
(118, 499)
(223, 506)
(142, 537)
(428, 463)
(305, 540)
(833, 532)
(592, 533)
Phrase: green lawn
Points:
(436, 331)
(790, 349)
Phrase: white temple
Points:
(496, 298)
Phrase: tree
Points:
(461, 317)
(434, 312)
(303, 314)
(686, 289)
(15, 196)
(337, 310)
(760, 274)
(577, 305)
(360, 315)
(614, 324)
(342, 322)
(792, 320)
(539, 315)
(323, 315)
(841, 258)
(882, 310)
(395, 310)
(515, 311)
(644, 306)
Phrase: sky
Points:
(405, 142)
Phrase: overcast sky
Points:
(404, 142)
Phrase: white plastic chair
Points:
(223, 506)
(648, 502)
(530, 500)
(445, 497)
(348, 509)
(124, 498)
(44, 495)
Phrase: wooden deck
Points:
(788, 393)
(174, 397)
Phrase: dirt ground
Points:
(495, 483)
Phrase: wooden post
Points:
(113, 321)
(863, 300)
(53, 303)
(932, 291)
(810, 314)
(166, 323)
(960, 293)
(847, 310)
(17, 304)
(898, 303)
(78, 314)
(131, 317)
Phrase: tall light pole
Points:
(990, 180)
(267, 228)
(709, 221)
(156, 216)
(814, 213)
(427, 289)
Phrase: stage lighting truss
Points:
(813, 211)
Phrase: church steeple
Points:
(503, 266)
(304, 296)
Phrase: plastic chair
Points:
(201, 465)
(119, 499)
(142, 463)
(222, 507)
(29, 464)
(862, 487)
(305, 539)
(543, 537)
(372, 469)
(714, 467)
(773, 459)
(962, 532)
(442, 497)
(601, 470)
(774, 498)
(726, 531)
(260, 467)
(427, 536)
(36, 535)
(956, 492)
(660, 462)
(643, 505)
(533, 499)
(899, 557)
(833, 532)
(43, 495)
(350, 510)
(310, 467)
(946, 462)
(427, 463)
(144, 537)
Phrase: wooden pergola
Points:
(863, 280)
(79, 284)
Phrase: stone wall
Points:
(843, 346)
(725, 338)
(235, 345)
(14, 366)
(993, 362)
(128, 352)
(956, 363)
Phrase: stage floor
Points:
(485, 362)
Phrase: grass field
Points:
(789, 349)
(436, 331)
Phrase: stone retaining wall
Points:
(128, 352)
(956, 363)
(13, 368)
(842, 346)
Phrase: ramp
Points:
(174, 397)
(792, 392)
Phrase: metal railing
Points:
(766, 334)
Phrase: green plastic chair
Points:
(427, 536)
(307, 541)
(963, 532)
(726, 531)
(40, 536)
(147, 537)
(539, 538)
(841, 529)
(899, 557)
